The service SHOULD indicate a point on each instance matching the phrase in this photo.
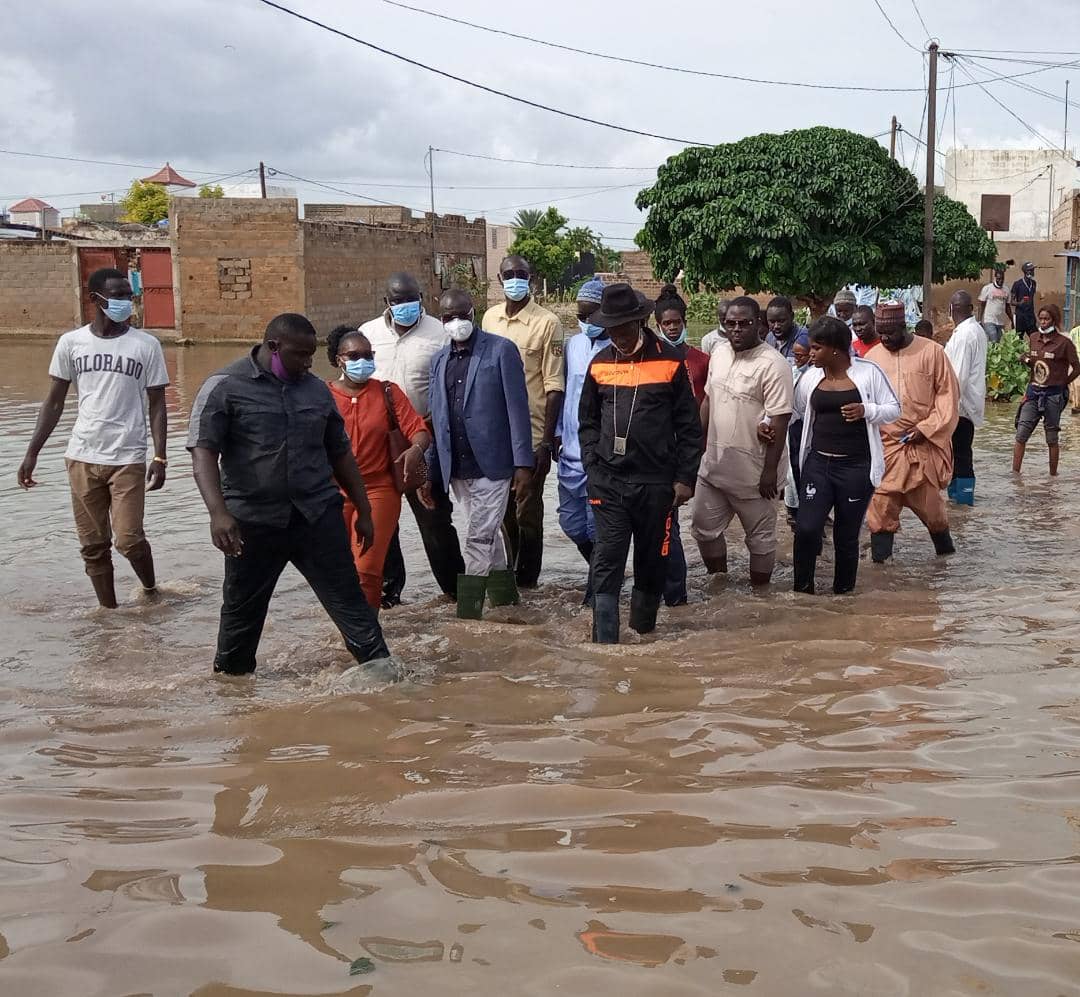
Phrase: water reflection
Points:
(875, 794)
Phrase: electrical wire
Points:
(477, 86)
(918, 14)
(121, 190)
(896, 30)
(97, 162)
(1042, 138)
(640, 62)
(1042, 173)
(973, 63)
(530, 162)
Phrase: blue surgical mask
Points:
(516, 288)
(678, 340)
(359, 370)
(406, 314)
(590, 330)
(117, 309)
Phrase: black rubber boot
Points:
(943, 543)
(605, 619)
(502, 589)
(471, 590)
(881, 545)
(643, 609)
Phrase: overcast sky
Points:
(214, 86)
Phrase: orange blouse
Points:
(368, 426)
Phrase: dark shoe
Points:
(605, 619)
(643, 608)
(881, 546)
(389, 601)
(471, 590)
(502, 589)
(943, 543)
(104, 589)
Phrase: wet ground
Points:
(774, 794)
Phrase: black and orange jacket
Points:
(664, 442)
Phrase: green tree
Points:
(207, 191)
(545, 246)
(527, 219)
(146, 203)
(802, 214)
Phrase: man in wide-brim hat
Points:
(641, 443)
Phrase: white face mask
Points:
(459, 329)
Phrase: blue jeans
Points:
(575, 513)
(993, 332)
(675, 583)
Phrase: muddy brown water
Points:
(774, 794)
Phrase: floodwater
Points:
(774, 794)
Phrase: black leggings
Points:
(840, 485)
(963, 460)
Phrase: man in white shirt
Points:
(711, 340)
(994, 306)
(404, 339)
(966, 351)
(119, 375)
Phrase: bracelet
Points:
(160, 460)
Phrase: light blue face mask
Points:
(359, 370)
(117, 309)
(516, 288)
(590, 330)
(679, 340)
(406, 314)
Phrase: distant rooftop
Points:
(31, 204)
(168, 177)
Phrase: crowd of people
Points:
(855, 418)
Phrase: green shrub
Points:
(1006, 376)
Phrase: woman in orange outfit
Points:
(361, 399)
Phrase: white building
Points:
(1037, 180)
(33, 211)
(499, 238)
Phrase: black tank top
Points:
(832, 435)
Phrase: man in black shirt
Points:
(274, 499)
(1022, 298)
(641, 444)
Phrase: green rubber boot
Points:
(471, 590)
(502, 589)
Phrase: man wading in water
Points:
(641, 443)
(119, 373)
(273, 500)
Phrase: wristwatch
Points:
(160, 460)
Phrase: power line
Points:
(1042, 173)
(97, 162)
(1022, 86)
(118, 190)
(1004, 107)
(530, 162)
(475, 85)
(641, 62)
(918, 13)
(896, 30)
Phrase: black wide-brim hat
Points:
(619, 305)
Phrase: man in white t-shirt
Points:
(994, 306)
(119, 375)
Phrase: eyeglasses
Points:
(745, 323)
(519, 274)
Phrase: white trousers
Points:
(484, 503)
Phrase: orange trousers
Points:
(385, 510)
(926, 502)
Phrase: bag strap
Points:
(391, 415)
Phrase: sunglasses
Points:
(519, 274)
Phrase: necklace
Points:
(618, 448)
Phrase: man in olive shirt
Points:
(537, 334)
(274, 498)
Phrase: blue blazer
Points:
(497, 420)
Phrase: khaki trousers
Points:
(926, 502)
(108, 499)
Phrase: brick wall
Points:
(238, 262)
(366, 214)
(38, 287)
(1066, 221)
(346, 266)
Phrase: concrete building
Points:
(499, 238)
(33, 211)
(1038, 180)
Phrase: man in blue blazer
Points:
(482, 446)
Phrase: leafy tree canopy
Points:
(802, 214)
(146, 203)
(527, 219)
(550, 247)
(211, 191)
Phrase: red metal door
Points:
(156, 268)
(93, 258)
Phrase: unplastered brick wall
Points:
(38, 287)
(215, 237)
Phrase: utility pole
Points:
(931, 138)
(1050, 204)
(262, 179)
(892, 138)
(1065, 140)
(431, 176)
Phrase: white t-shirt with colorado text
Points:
(111, 377)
